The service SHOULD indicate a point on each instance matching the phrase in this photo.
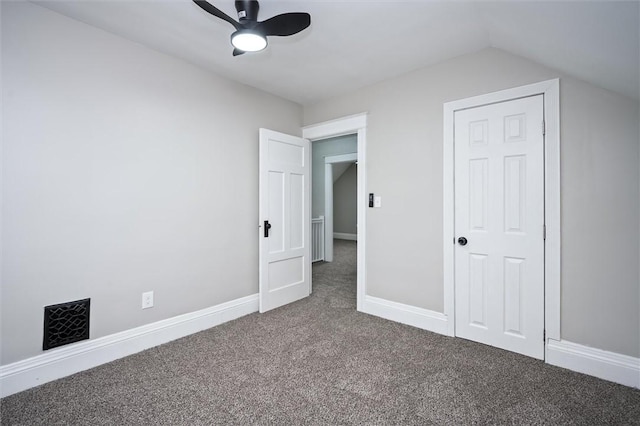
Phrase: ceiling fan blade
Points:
(237, 52)
(285, 24)
(217, 12)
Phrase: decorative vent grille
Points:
(66, 323)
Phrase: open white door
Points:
(285, 219)
(499, 225)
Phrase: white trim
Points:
(362, 215)
(343, 158)
(328, 212)
(448, 219)
(346, 126)
(62, 362)
(406, 314)
(551, 91)
(605, 365)
(339, 127)
(345, 236)
(552, 251)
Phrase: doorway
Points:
(335, 168)
(496, 200)
(356, 125)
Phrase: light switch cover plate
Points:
(147, 300)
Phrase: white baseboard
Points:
(58, 363)
(605, 365)
(345, 236)
(406, 314)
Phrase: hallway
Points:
(336, 281)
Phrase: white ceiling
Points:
(354, 43)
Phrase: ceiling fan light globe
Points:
(248, 41)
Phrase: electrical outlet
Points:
(147, 300)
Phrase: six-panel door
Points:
(499, 209)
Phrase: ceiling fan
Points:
(251, 34)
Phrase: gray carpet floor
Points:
(318, 361)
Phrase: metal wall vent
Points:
(66, 323)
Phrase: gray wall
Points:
(125, 170)
(600, 190)
(345, 197)
(319, 150)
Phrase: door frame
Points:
(328, 199)
(353, 124)
(550, 89)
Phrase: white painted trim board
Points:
(333, 128)
(406, 314)
(343, 158)
(62, 362)
(605, 365)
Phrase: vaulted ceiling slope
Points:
(354, 43)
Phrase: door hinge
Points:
(544, 335)
(544, 232)
(544, 128)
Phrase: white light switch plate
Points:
(147, 300)
(377, 201)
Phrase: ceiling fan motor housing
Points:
(251, 34)
(247, 10)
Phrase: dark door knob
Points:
(462, 241)
(267, 226)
